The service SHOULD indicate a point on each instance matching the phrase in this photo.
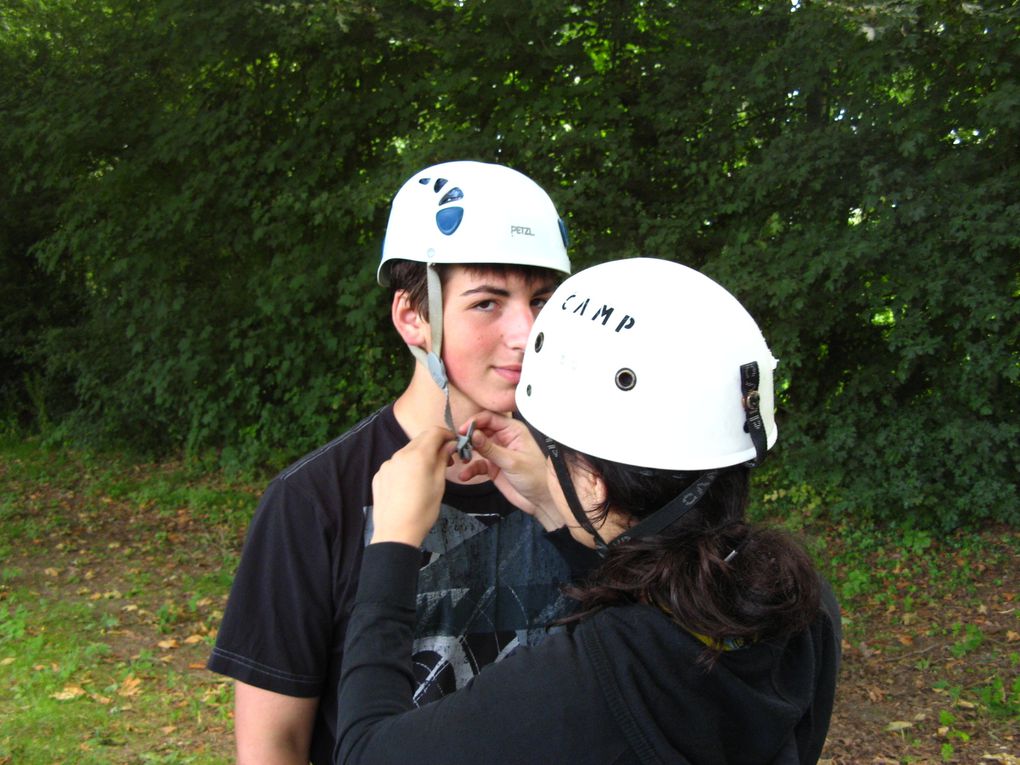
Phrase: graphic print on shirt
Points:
(485, 589)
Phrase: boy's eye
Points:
(539, 302)
(485, 305)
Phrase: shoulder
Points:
(349, 456)
(376, 436)
(829, 611)
(637, 630)
(338, 475)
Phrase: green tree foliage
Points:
(194, 198)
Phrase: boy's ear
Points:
(410, 325)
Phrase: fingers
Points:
(408, 488)
(477, 468)
(501, 457)
(486, 420)
(432, 438)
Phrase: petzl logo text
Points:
(520, 231)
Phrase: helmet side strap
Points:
(754, 426)
(433, 361)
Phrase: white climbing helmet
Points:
(649, 363)
(474, 212)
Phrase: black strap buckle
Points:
(754, 425)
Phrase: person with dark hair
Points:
(471, 254)
(645, 399)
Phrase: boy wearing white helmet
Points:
(472, 252)
(701, 637)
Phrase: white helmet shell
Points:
(474, 212)
(638, 361)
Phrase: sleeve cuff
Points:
(389, 571)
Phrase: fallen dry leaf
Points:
(70, 692)
(898, 725)
(130, 686)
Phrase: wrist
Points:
(403, 536)
(547, 516)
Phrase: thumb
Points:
(482, 443)
(499, 456)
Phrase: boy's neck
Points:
(422, 405)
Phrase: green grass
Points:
(112, 581)
(114, 574)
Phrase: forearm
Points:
(376, 681)
(272, 728)
(512, 712)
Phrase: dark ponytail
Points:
(767, 590)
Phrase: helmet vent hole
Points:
(440, 182)
(528, 391)
(626, 379)
(452, 195)
(539, 341)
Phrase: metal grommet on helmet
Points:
(626, 379)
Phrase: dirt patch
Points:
(930, 671)
(933, 681)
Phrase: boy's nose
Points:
(518, 325)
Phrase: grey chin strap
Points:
(433, 361)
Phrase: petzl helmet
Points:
(649, 363)
(474, 213)
(471, 213)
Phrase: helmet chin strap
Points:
(552, 450)
(433, 361)
(664, 517)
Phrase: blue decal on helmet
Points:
(449, 219)
(452, 195)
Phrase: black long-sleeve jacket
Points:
(625, 686)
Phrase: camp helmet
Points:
(648, 363)
(474, 213)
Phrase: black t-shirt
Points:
(489, 582)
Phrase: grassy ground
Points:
(113, 577)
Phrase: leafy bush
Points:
(202, 189)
